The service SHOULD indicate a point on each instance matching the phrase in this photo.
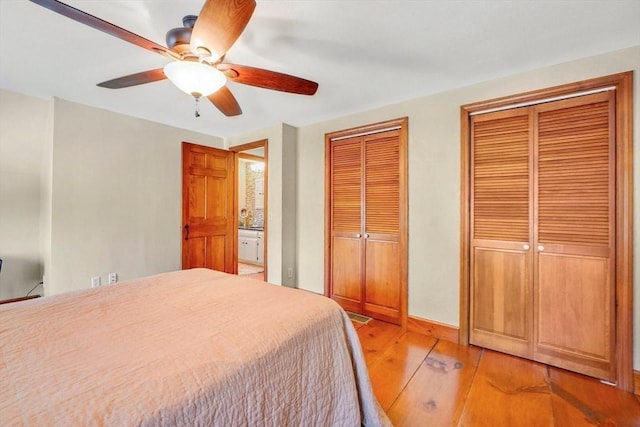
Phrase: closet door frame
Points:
(622, 83)
(402, 124)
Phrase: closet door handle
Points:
(525, 247)
(186, 232)
(366, 236)
(358, 235)
(540, 248)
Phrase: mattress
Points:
(188, 348)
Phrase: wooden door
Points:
(346, 223)
(208, 194)
(501, 312)
(382, 237)
(575, 234)
(543, 233)
(366, 211)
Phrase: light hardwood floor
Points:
(421, 381)
(249, 267)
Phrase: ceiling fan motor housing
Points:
(178, 38)
(189, 21)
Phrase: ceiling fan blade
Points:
(268, 79)
(224, 101)
(104, 26)
(220, 23)
(134, 79)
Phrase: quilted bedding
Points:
(188, 348)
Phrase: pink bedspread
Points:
(187, 348)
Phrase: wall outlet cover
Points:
(112, 278)
(95, 281)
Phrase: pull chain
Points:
(197, 106)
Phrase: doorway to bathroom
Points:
(251, 208)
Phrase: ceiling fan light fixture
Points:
(199, 48)
(194, 78)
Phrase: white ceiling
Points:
(363, 53)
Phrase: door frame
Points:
(237, 149)
(402, 124)
(622, 83)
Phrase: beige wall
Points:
(25, 129)
(116, 191)
(85, 192)
(434, 182)
(46, 202)
(289, 210)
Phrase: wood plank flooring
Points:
(421, 381)
(257, 276)
(247, 269)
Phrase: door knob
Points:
(525, 247)
(366, 236)
(540, 248)
(186, 232)
(358, 235)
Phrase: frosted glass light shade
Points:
(194, 78)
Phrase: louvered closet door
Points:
(382, 226)
(574, 291)
(542, 233)
(501, 283)
(346, 223)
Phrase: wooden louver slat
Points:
(382, 184)
(346, 160)
(501, 179)
(573, 176)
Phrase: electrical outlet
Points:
(290, 273)
(95, 281)
(112, 278)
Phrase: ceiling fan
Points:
(197, 51)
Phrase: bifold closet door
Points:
(501, 315)
(543, 233)
(366, 246)
(575, 234)
(382, 248)
(346, 223)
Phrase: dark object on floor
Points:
(7, 301)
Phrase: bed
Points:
(188, 348)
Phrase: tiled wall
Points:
(255, 217)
